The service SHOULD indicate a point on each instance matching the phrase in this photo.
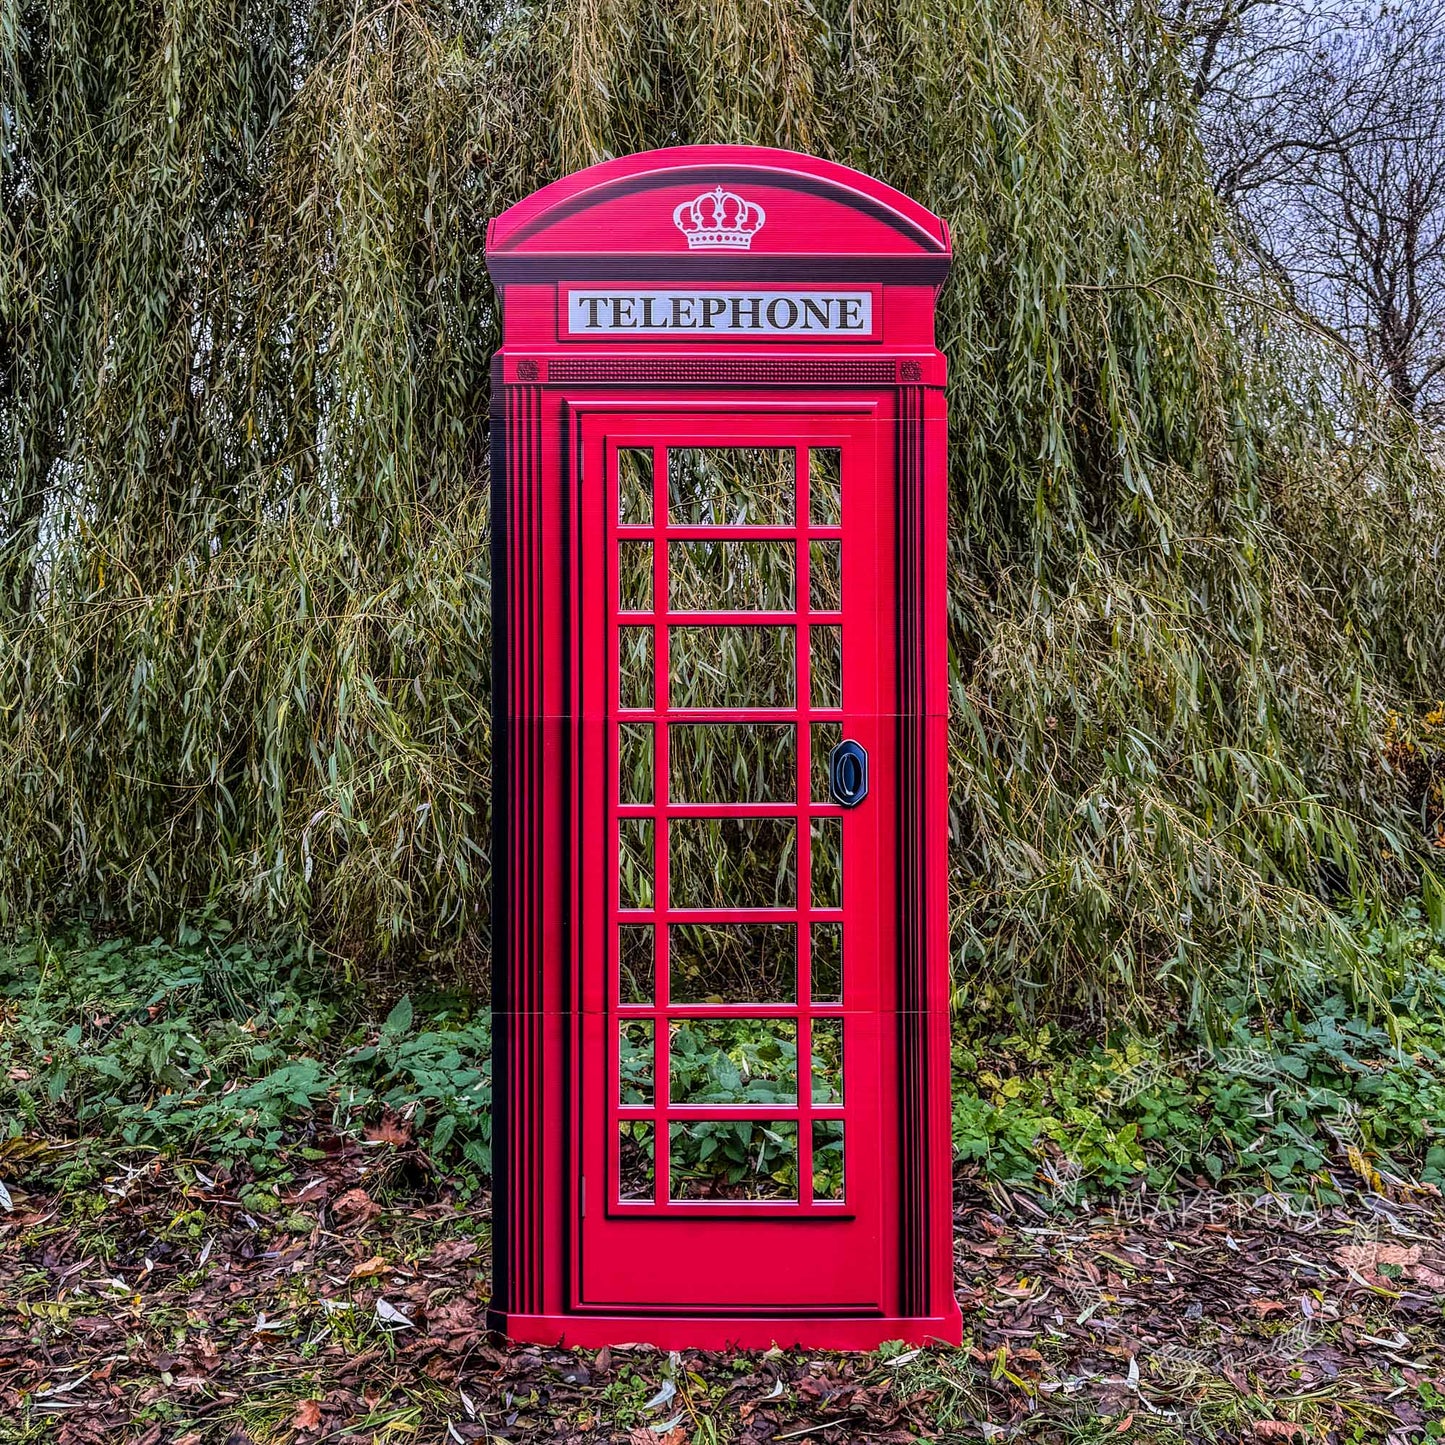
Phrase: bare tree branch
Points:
(1325, 127)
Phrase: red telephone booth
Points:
(721, 993)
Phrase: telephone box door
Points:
(736, 1142)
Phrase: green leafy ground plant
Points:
(219, 1050)
(223, 1050)
(1286, 1101)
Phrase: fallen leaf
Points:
(1277, 1430)
(392, 1317)
(391, 1130)
(666, 1393)
(370, 1268)
(1371, 1255)
(452, 1252)
(1366, 1170)
(307, 1416)
(1235, 1378)
(356, 1206)
(455, 1317)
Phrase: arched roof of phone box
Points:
(824, 222)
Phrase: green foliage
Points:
(734, 1061)
(737, 1061)
(243, 589)
(1289, 1103)
(714, 1159)
(221, 1050)
(243, 594)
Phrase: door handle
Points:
(848, 773)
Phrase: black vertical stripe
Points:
(517, 863)
(913, 871)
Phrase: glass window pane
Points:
(828, 1159)
(634, 1061)
(731, 576)
(733, 1061)
(732, 763)
(826, 665)
(733, 863)
(825, 487)
(634, 763)
(634, 487)
(825, 576)
(732, 963)
(634, 862)
(827, 869)
(636, 1150)
(827, 1061)
(827, 963)
(634, 576)
(717, 1159)
(731, 666)
(635, 965)
(634, 666)
(826, 737)
(730, 486)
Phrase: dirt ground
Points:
(167, 1304)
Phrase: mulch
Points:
(166, 1303)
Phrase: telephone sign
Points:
(720, 816)
(674, 311)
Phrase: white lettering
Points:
(735, 312)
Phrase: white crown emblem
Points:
(718, 220)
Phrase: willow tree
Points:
(243, 590)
